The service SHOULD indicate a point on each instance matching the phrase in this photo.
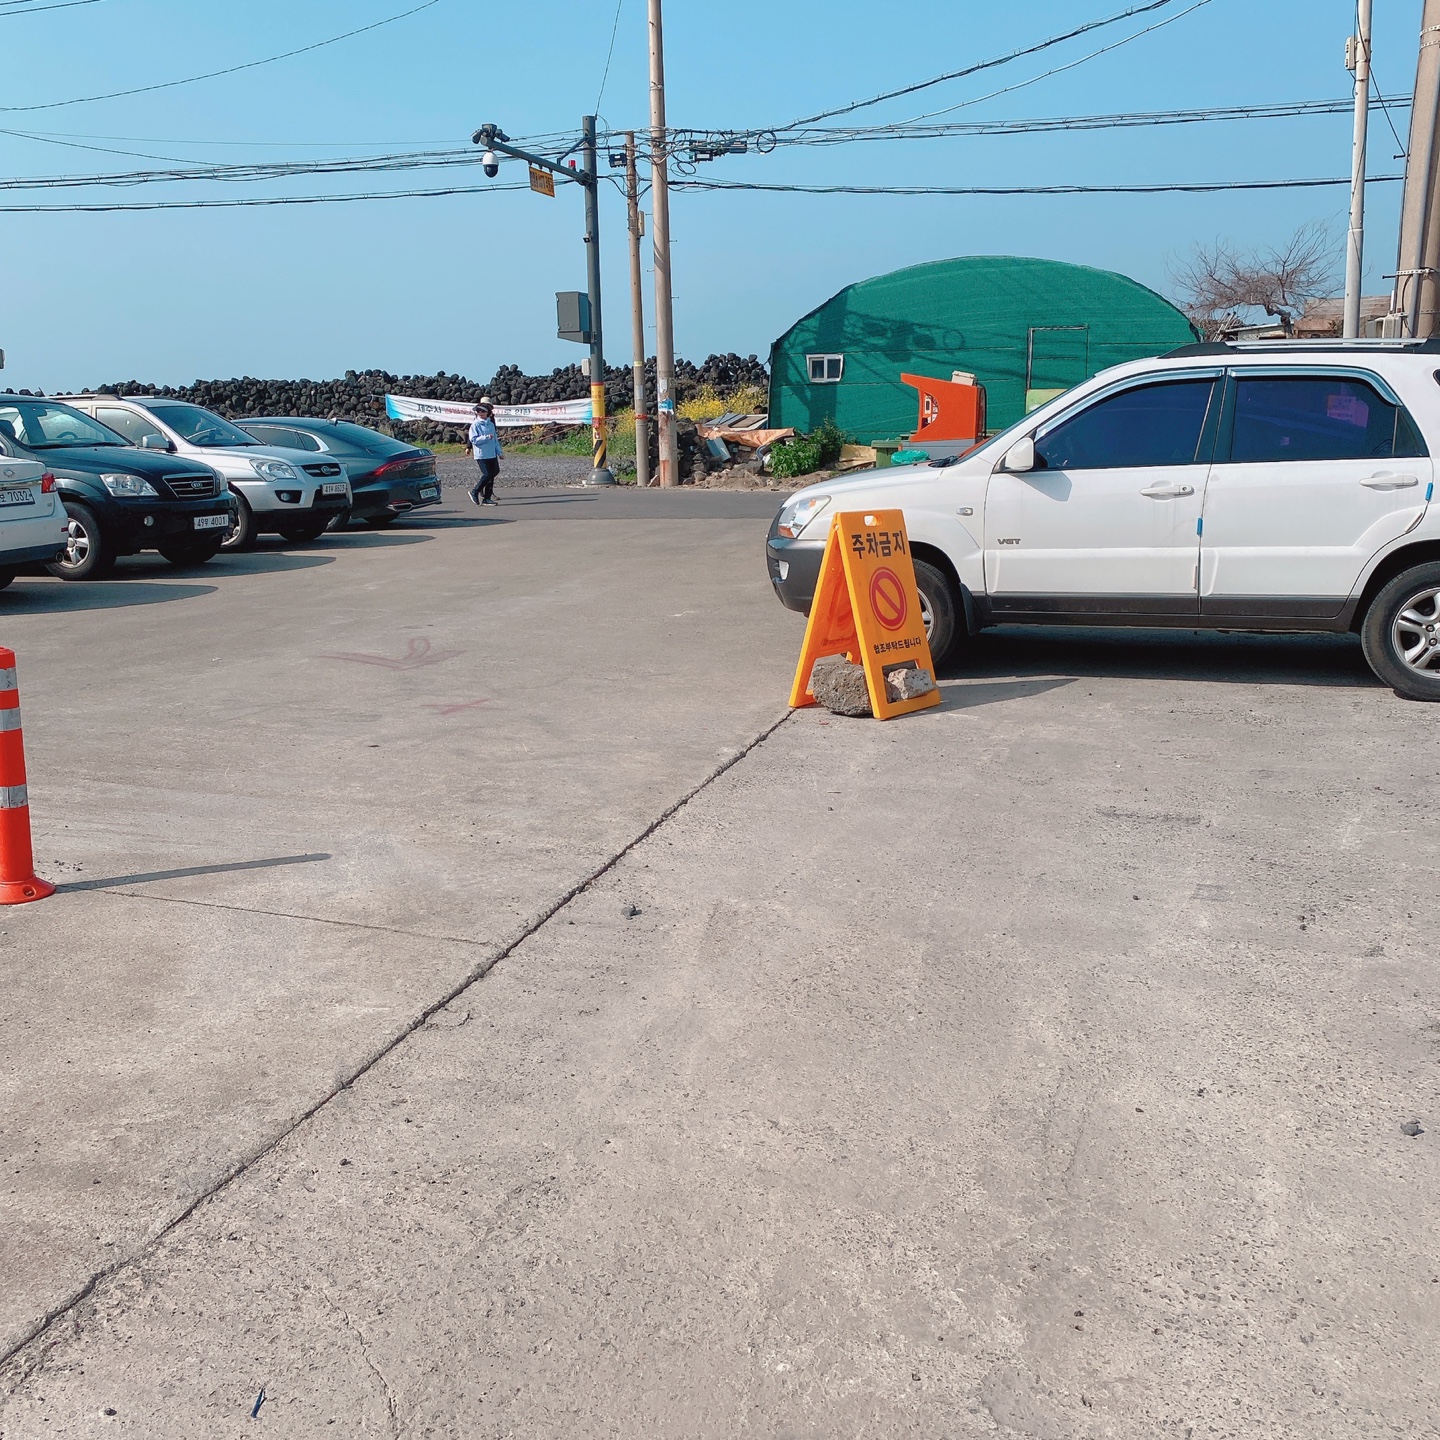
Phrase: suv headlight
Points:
(797, 514)
(274, 469)
(133, 487)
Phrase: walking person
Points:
(485, 446)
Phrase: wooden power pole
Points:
(1415, 273)
(660, 242)
(637, 314)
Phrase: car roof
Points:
(1270, 349)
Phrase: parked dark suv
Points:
(120, 499)
(388, 478)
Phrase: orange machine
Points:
(952, 411)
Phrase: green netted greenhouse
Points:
(1018, 325)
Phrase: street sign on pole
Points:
(542, 181)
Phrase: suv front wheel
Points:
(241, 534)
(938, 604)
(1401, 633)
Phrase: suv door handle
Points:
(1167, 492)
(1390, 482)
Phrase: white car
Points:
(283, 492)
(1265, 486)
(32, 520)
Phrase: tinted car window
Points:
(1318, 417)
(279, 435)
(202, 427)
(371, 441)
(42, 425)
(132, 426)
(1148, 426)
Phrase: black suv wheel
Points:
(1401, 633)
(88, 554)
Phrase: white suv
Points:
(1269, 486)
(284, 492)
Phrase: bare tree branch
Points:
(1219, 283)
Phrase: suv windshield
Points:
(39, 425)
(200, 426)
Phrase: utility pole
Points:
(1414, 300)
(599, 471)
(660, 241)
(1355, 241)
(493, 138)
(637, 314)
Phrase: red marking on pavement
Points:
(417, 653)
(452, 709)
(887, 599)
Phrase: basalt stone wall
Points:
(360, 395)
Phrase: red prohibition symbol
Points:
(887, 599)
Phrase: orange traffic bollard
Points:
(18, 881)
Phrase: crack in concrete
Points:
(365, 1355)
(476, 972)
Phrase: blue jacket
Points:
(484, 439)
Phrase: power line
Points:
(261, 170)
(1195, 188)
(133, 206)
(247, 171)
(38, 9)
(1201, 187)
(609, 54)
(1069, 65)
(915, 130)
(229, 70)
(981, 65)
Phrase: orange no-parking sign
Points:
(866, 606)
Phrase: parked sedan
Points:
(31, 520)
(388, 478)
(119, 499)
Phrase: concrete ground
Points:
(474, 1009)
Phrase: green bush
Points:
(806, 453)
(829, 437)
(789, 458)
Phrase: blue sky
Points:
(466, 283)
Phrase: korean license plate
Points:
(21, 495)
(212, 522)
(429, 492)
(333, 487)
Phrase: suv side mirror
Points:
(154, 442)
(1020, 456)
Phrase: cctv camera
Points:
(490, 164)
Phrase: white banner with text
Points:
(453, 412)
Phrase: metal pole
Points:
(600, 473)
(637, 314)
(1419, 173)
(1355, 243)
(660, 242)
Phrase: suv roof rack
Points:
(1232, 347)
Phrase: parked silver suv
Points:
(283, 492)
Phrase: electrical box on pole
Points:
(572, 315)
